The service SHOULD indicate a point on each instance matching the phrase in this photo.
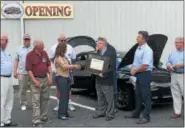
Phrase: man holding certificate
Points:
(105, 81)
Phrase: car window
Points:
(83, 48)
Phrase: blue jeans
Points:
(63, 85)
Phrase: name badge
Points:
(44, 60)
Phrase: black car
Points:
(12, 10)
(161, 78)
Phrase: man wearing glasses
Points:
(175, 64)
(20, 71)
(71, 55)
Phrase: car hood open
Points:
(82, 44)
(157, 42)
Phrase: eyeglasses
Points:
(27, 39)
(178, 42)
(4, 39)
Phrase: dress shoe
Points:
(98, 116)
(175, 116)
(11, 124)
(69, 116)
(142, 121)
(46, 120)
(131, 116)
(63, 117)
(37, 124)
(109, 118)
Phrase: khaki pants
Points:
(177, 89)
(24, 83)
(6, 99)
(40, 100)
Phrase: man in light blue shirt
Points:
(20, 70)
(142, 68)
(175, 64)
(7, 94)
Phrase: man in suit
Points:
(105, 82)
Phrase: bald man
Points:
(175, 64)
(39, 70)
(6, 85)
(70, 54)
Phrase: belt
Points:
(41, 76)
(8, 76)
(179, 72)
(142, 72)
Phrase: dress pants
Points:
(7, 96)
(177, 89)
(106, 104)
(24, 83)
(143, 94)
(40, 100)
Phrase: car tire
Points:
(126, 98)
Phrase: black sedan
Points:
(160, 85)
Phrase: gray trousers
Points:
(24, 83)
(40, 100)
(177, 89)
(105, 100)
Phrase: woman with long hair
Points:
(63, 79)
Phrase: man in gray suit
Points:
(105, 82)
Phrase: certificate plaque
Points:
(97, 64)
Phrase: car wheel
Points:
(126, 98)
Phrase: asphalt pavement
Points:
(85, 108)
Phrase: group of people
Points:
(36, 70)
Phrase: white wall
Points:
(12, 29)
(118, 21)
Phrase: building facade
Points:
(118, 21)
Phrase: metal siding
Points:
(118, 21)
(12, 29)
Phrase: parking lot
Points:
(85, 107)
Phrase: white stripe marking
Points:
(76, 104)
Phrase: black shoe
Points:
(109, 118)
(69, 116)
(131, 116)
(142, 121)
(98, 116)
(63, 118)
(11, 124)
(46, 120)
(37, 125)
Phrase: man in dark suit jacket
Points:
(105, 82)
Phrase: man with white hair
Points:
(39, 70)
(70, 54)
(105, 82)
(175, 64)
(7, 94)
(20, 70)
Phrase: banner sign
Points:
(16, 10)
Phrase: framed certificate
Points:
(97, 64)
